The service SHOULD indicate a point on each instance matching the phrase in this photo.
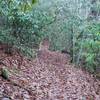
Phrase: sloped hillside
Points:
(48, 77)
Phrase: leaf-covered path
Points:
(48, 77)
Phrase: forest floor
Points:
(47, 77)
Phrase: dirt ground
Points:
(47, 77)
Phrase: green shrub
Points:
(17, 27)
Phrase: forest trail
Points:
(47, 77)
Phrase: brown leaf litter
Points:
(48, 77)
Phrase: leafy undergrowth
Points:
(47, 77)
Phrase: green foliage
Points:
(17, 27)
(67, 23)
(74, 32)
(22, 23)
(91, 47)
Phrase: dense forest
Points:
(69, 27)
